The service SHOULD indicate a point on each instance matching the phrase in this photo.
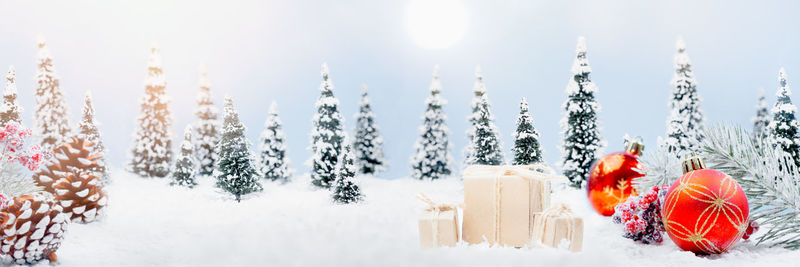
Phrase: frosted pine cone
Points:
(33, 226)
(81, 196)
(69, 178)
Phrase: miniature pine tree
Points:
(151, 152)
(783, 129)
(581, 133)
(207, 128)
(274, 161)
(185, 168)
(432, 159)
(51, 114)
(10, 110)
(526, 148)
(345, 189)
(762, 119)
(486, 146)
(88, 131)
(327, 134)
(368, 143)
(685, 124)
(478, 91)
(235, 172)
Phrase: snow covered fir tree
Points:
(151, 152)
(432, 159)
(206, 127)
(87, 130)
(582, 137)
(274, 161)
(236, 173)
(10, 110)
(368, 142)
(345, 189)
(783, 129)
(527, 149)
(51, 114)
(185, 170)
(327, 134)
(762, 118)
(685, 124)
(484, 145)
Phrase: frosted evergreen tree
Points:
(762, 119)
(368, 143)
(527, 149)
(327, 134)
(478, 91)
(345, 189)
(581, 134)
(486, 146)
(783, 130)
(88, 131)
(151, 152)
(185, 170)
(206, 127)
(274, 161)
(51, 114)
(10, 110)
(685, 124)
(432, 159)
(236, 173)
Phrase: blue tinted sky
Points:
(260, 51)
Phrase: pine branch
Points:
(661, 167)
(770, 183)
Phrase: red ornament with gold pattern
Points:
(705, 211)
(610, 182)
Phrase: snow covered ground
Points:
(152, 224)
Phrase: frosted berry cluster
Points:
(12, 141)
(640, 216)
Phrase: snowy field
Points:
(152, 224)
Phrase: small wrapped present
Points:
(556, 224)
(438, 224)
(499, 201)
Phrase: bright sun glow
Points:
(436, 23)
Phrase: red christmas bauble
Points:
(610, 182)
(705, 211)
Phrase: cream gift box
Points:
(438, 224)
(499, 202)
(556, 224)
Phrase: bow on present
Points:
(436, 208)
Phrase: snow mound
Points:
(149, 223)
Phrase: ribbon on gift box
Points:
(528, 172)
(436, 208)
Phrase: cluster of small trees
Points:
(223, 151)
(51, 115)
(782, 129)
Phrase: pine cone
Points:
(69, 178)
(81, 195)
(32, 229)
